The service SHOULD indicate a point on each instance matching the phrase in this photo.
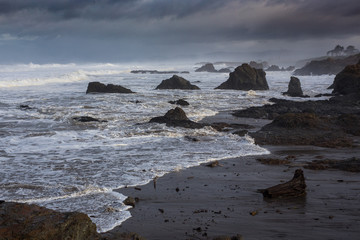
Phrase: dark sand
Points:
(203, 202)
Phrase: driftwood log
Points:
(294, 188)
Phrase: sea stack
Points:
(176, 82)
(294, 88)
(246, 78)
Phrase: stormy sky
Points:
(279, 31)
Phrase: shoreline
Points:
(202, 202)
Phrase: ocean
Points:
(51, 160)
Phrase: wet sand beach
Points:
(205, 202)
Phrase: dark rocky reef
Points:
(176, 118)
(97, 87)
(327, 66)
(180, 102)
(158, 72)
(176, 82)
(304, 129)
(246, 78)
(294, 88)
(23, 221)
(348, 80)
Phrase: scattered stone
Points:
(192, 139)
(129, 201)
(253, 213)
(97, 87)
(161, 210)
(176, 82)
(246, 78)
(214, 164)
(180, 102)
(273, 161)
(25, 107)
(294, 188)
(237, 237)
(24, 221)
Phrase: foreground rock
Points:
(246, 78)
(97, 87)
(294, 188)
(176, 82)
(294, 88)
(327, 66)
(23, 221)
(348, 80)
(176, 118)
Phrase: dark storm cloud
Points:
(220, 25)
(233, 19)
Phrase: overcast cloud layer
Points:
(142, 30)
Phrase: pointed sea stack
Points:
(209, 67)
(246, 78)
(176, 82)
(294, 88)
(97, 87)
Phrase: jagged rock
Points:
(348, 80)
(97, 87)
(209, 67)
(246, 78)
(294, 188)
(24, 221)
(294, 88)
(176, 118)
(176, 82)
(327, 66)
(180, 102)
(129, 201)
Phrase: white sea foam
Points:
(50, 159)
